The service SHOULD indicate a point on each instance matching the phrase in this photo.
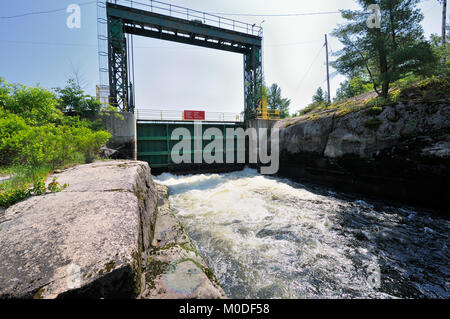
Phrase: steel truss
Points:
(124, 20)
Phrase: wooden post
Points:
(328, 71)
(444, 22)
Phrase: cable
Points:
(292, 43)
(44, 12)
(275, 15)
(282, 14)
(218, 13)
(310, 67)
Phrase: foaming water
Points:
(267, 237)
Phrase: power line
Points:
(217, 13)
(310, 67)
(292, 43)
(283, 14)
(44, 12)
(275, 15)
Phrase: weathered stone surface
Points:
(87, 241)
(401, 153)
(312, 134)
(334, 136)
(174, 269)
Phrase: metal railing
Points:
(267, 114)
(192, 15)
(169, 115)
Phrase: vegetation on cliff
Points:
(429, 90)
(386, 64)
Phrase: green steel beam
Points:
(167, 23)
(180, 39)
(125, 20)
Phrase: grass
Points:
(19, 186)
(6, 171)
(26, 181)
(23, 174)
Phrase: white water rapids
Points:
(267, 237)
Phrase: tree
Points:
(442, 52)
(320, 96)
(73, 101)
(37, 103)
(353, 87)
(395, 49)
(276, 102)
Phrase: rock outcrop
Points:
(174, 269)
(399, 151)
(96, 239)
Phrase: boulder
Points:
(87, 241)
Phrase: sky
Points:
(41, 50)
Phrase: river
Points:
(269, 237)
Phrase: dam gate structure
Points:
(155, 19)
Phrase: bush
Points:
(36, 105)
(10, 145)
(34, 132)
(88, 142)
(36, 138)
(11, 195)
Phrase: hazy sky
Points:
(41, 49)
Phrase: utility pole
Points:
(328, 70)
(444, 19)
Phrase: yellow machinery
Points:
(262, 112)
(103, 97)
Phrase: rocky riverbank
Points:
(109, 234)
(399, 151)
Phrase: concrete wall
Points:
(261, 123)
(123, 130)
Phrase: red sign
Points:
(194, 115)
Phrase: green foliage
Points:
(354, 86)
(442, 51)
(13, 192)
(11, 196)
(33, 131)
(316, 106)
(276, 102)
(39, 186)
(320, 96)
(73, 101)
(55, 187)
(36, 105)
(388, 53)
(10, 144)
(430, 89)
(88, 142)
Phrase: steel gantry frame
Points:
(185, 26)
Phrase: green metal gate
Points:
(154, 144)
